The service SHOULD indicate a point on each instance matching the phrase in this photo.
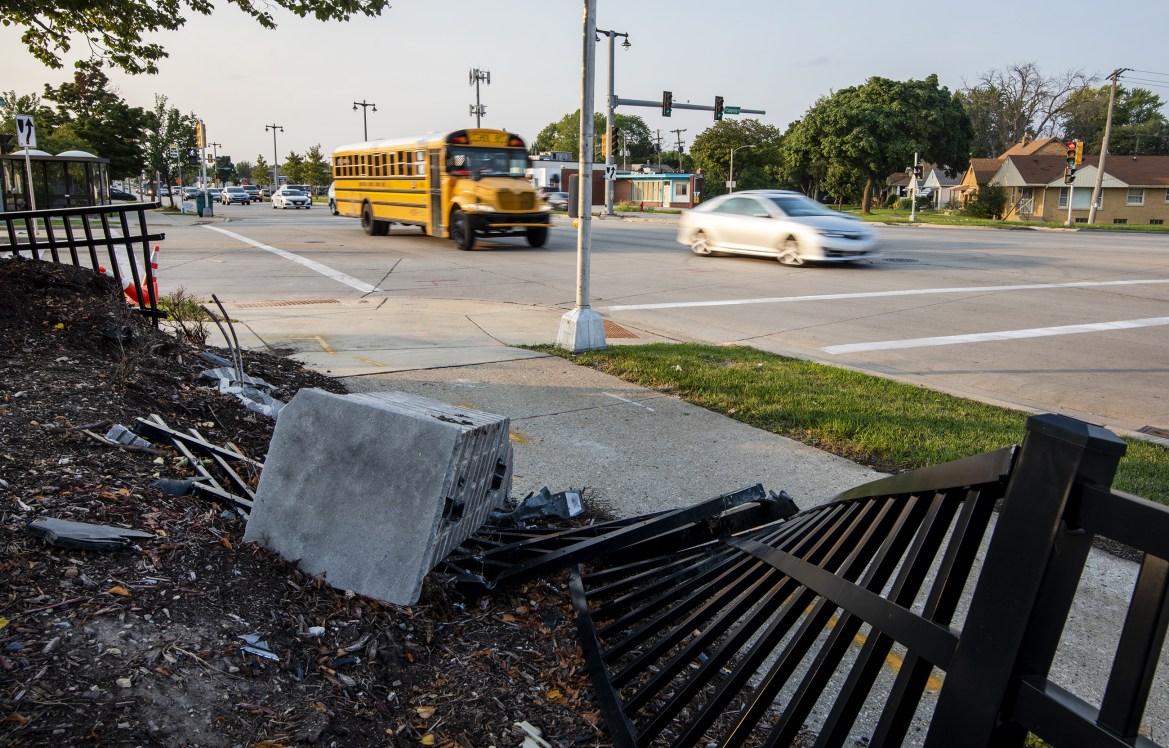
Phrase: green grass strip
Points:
(872, 420)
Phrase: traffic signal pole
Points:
(913, 193)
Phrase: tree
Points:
(243, 170)
(1138, 125)
(860, 135)
(1018, 101)
(262, 171)
(755, 167)
(113, 30)
(564, 135)
(100, 117)
(14, 104)
(293, 168)
(318, 169)
(167, 132)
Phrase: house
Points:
(941, 188)
(1040, 147)
(978, 174)
(1134, 190)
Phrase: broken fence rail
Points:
(89, 237)
(738, 638)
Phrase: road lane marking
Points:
(982, 337)
(324, 270)
(882, 294)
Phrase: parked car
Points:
(235, 195)
(558, 200)
(333, 198)
(776, 223)
(122, 195)
(286, 197)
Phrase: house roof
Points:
(1132, 171)
(943, 180)
(985, 168)
(1035, 147)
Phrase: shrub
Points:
(988, 202)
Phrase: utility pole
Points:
(473, 77)
(582, 329)
(678, 137)
(215, 160)
(275, 159)
(1104, 146)
(609, 116)
(658, 147)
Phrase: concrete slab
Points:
(369, 490)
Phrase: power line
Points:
(1148, 72)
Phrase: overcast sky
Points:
(413, 61)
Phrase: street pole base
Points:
(581, 330)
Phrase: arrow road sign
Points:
(611, 172)
(26, 134)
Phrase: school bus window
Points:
(420, 163)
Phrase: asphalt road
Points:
(1071, 322)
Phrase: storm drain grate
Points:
(292, 302)
(1155, 431)
(898, 259)
(614, 330)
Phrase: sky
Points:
(413, 61)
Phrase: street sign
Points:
(730, 184)
(611, 172)
(26, 133)
(732, 109)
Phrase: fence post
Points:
(1027, 582)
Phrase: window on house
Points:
(1156, 221)
(1136, 196)
(1082, 220)
(1167, 196)
(1063, 197)
(681, 189)
(1120, 220)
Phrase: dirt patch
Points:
(144, 647)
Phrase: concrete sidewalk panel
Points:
(368, 491)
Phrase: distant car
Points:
(333, 199)
(306, 189)
(122, 195)
(190, 193)
(235, 195)
(164, 191)
(776, 223)
(213, 194)
(286, 197)
(558, 200)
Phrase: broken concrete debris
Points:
(370, 491)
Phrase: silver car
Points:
(776, 223)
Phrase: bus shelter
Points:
(72, 179)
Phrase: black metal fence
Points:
(105, 238)
(723, 632)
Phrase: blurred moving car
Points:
(235, 195)
(122, 195)
(776, 223)
(286, 198)
(253, 192)
(558, 200)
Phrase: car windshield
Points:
(487, 162)
(797, 205)
(293, 193)
(235, 189)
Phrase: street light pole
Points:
(364, 122)
(731, 178)
(275, 158)
(215, 160)
(609, 183)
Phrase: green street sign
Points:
(731, 109)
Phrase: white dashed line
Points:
(324, 270)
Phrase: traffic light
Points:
(1072, 154)
(1069, 175)
(718, 108)
(200, 134)
(667, 103)
(192, 157)
(604, 143)
(919, 170)
(1079, 152)
(6, 142)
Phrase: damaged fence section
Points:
(775, 630)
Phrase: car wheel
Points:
(537, 237)
(699, 244)
(461, 232)
(789, 254)
(333, 207)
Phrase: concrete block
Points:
(370, 491)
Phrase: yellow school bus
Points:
(462, 185)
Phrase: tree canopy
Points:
(113, 29)
(859, 135)
(1138, 125)
(1007, 104)
(756, 148)
(564, 135)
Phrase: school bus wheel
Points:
(370, 225)
(462, 234)
(537, 236)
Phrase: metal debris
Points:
(565, 505)
(85, 536)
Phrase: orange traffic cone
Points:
(135, 293)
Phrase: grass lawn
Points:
(871, 420)
(889, 215)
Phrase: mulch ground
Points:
(142, 646)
